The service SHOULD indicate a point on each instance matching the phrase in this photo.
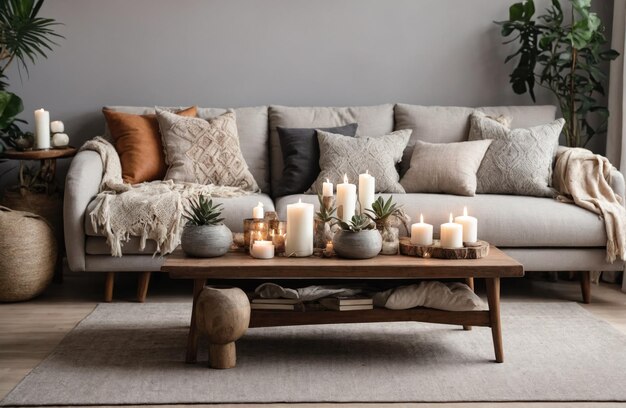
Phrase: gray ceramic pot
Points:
(357, 245)
(206, 241)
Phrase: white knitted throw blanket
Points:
(152, 210)
(584, 178)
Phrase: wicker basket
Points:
(29, 253)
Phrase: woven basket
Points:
(29, 253)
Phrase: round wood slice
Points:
(473, 250)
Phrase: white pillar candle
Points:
(299, 240)
(42, 129)
(327, 189)
(367, 188)
(60, 140)
(451, 235)
(470, 226)
(421, 233)
(257, 212)
(57, 126)
(262, 249)
(346, 200)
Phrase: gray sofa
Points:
(542, 233)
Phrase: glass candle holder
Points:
(256, 228)
(278, 231)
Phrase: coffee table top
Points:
(239, 265)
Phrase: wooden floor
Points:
(31, 330)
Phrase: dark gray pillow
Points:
(301, 156)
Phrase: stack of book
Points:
(344, 304)
(274, 304)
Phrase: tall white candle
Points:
(470, 226)
(327, 189)
(42, 129)
(257, 212)
(367, 188)
(346, 200)
(451, 235)
(299, 240)
(421, 233)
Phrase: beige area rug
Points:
(133, 354)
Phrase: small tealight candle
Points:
(329, 246)
(57, 126)
(262, 250)
(257, 212)
(470, 226)
(451, 234)
(327, 189)
(421, 233)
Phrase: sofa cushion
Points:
(301, 156)
(372, 121)
(348, 156)
(519, 161)
(503, 220)
(447, 124)
(235, 209)
(252, 127)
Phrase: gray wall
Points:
(257, 52)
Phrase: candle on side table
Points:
(257, 212)
(346, 200)
(367, 189)
(42, 129)
(299, 239)
(470, 226)
(421, 233)
(451, 234)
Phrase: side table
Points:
(44, 205)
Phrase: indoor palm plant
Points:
(357, 238)
(205, 235)
(562, 51)
(24, 37)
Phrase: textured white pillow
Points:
(444, 167)
(453, 296)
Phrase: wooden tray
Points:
(475, 250)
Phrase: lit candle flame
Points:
(299, 201)
(367, 172)
(421, 218)
(465, 211)
(451, 218)
(328, 181)
(345, 177)
(260, 204)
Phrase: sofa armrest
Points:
(81, 186)
(617, 184)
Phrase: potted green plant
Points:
(563, 55)
(323, 222)
(204, 235)
(358, 238)
(387, 216)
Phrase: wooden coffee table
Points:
(238, 265)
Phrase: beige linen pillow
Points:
(445, 167)
(519, 161)
(204, 151)
(341, 155)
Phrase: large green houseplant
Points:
(562, 52)
(24, 37)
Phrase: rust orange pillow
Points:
(138, 142)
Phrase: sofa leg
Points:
(109, 280)
(585, 286)
(142, 286)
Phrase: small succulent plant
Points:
(324, 214)
(381, 210)
(203, 212)
(359, 222)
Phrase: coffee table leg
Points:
(493, 298)
(470, 283)
(192, 339)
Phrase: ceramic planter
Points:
(357, 245)
(206, 241)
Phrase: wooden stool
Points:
(223, 314)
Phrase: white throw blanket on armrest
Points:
(151, 210)
(584, 178)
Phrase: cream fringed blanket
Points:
(151, 210)
(583, 177)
